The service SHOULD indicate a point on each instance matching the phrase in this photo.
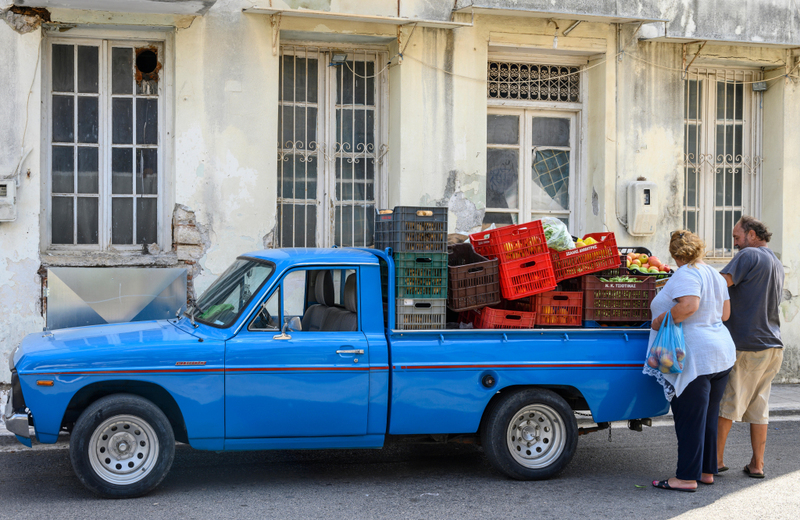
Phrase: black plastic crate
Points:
(411, 229)
(473, 281)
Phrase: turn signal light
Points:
(44, 382)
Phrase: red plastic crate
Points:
(510, 243)
(555, 308)
(526, 277)
(489, 318)
(588, 259)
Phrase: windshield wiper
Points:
(191, 308)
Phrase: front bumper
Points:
(14, 417)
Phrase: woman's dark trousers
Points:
(696, 413)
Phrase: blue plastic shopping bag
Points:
(668, 351)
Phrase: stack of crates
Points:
(418, 238)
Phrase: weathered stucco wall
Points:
(225, 92)
(20, 289)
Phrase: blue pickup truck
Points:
(297, 349)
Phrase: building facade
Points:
(144, 134)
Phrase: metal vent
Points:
(3, 190)
(527, 81)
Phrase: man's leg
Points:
(723, 429)
(758, 438)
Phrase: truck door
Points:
(304, 383)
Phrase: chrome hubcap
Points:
(536, 436)
(123, 449)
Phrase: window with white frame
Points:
(722, 147)
(531, 140)
(105, 126)
(331, 145)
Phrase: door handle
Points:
(352, 351)
(282, 335)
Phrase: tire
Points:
(122, 446)
(530, 434)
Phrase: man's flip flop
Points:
(664, 484)
(721, 469)
(751, 474)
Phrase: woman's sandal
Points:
(664, 484)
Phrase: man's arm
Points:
(728, 278)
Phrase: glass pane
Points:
(502, 129)
(121, 170)
(550, 188)
(728, 186)
(294, 286)
(502, 178)
(737, 187)
(147, 171)
(694, 99)
(63, 170)
(87, 220)
(298, 125)
(87, 120)
(146, 121)
(299, 178)
(121, 71)
(343, 226)
(690, 195)
(690, 143)
(64, 69)
(729, 143)
(121, 121)
(719, 229)
(87, 170)
(147, 87)
(691, 221)
(550, 131)
(356, 84)
(305, 80)
(121, 221)
(298, 225)
(500, 219)
(355, 180)
(63, 119)
(88, 65)
(146, 221)
(730, 95)
(62, 220)
(718, 187)
(355, 130)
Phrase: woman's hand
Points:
(656, 323)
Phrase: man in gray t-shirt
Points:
(755, 284)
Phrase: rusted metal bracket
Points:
(400, 43)
(275, 22)
(685, 72)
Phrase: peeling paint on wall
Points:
(25, 19)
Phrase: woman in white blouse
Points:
(697, 295)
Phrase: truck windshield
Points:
(222, 303)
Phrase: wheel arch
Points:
(145, 389)
(570, 394)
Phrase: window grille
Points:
(531, 82)
(722, 161)
(329, 150)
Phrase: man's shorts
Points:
(746, 398)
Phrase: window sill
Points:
(107, 259)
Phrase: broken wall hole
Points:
(147, 64)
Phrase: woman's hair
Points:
(748, 223)
(686, 247)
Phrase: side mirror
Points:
(293, 325)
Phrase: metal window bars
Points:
(722, 161)
(329, 152)
(532, 82)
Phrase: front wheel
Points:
(122, 446)
(530, 435)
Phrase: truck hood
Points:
(144, 344)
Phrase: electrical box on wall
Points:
(8, 200)
(642, 208)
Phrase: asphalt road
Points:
(605, 480)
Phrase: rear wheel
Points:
(530, 435)
(122, 446)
